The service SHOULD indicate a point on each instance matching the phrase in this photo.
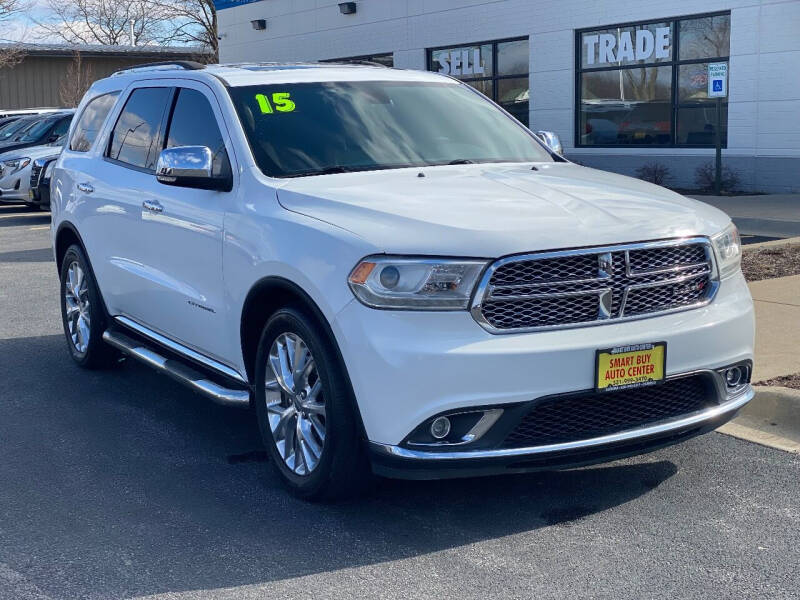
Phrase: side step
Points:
(179, 370)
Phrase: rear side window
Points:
(194, 124)
(136, 136)
(91, 121)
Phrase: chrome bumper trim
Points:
(696, 418)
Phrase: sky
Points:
(22, 27)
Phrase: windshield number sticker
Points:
(280, 102)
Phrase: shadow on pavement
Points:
(134, 486)
(34, 255)
(24, 217)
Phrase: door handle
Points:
(152, 206)
(86, 188)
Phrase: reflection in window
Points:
(626, 106)
(697, 125)
(627, 80)
(91, 120)
(135, 139)
(707, 37)
(498, 70)
(192, 109)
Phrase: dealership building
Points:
(623, 84)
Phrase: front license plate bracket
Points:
(631, 366)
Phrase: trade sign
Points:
(717, 80)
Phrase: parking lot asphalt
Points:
(121, 484)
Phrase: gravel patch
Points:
(787, 381)
(767, 263)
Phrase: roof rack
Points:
(187, 65)
(366, 63)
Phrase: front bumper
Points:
(406, 366)
(408, 463)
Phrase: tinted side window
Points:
(61, 127)
(91, 120)
(194, 124)
(135, 139)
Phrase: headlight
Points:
(415, 283)
(15, 164)
(728, 247)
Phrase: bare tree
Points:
(10, 54)
(77, 79)
(192, 22)
(108, 22)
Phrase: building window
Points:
(645, 84)
(497, 69)
(387, 60)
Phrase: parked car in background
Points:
(41, 171)
(16, 167)
(13, 126)
(38, 130)
(7, 121)
(22, 112)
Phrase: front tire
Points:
(82, 313)
(305, 410)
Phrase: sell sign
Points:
(461, 62)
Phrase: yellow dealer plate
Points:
(630, 366)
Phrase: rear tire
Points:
(306, 412)
(83, 314)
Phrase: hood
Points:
(494, 210)
(16, 146)
(32, 152)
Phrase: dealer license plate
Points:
(630, 366)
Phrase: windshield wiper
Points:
(333, 169)
(462, 161)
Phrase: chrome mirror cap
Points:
(551, 140)
(190, 166)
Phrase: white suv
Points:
(394, 273)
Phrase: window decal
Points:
(280, 102)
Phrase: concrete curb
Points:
(792, 241)
(771, 419)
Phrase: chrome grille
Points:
(36, 170)
(577, 287)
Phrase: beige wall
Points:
(36, 80)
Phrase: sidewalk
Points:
(773, 417)
(777, 303)
(768, 215)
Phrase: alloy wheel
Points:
(76, 301)
(295, 403)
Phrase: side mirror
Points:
(192, 167)
(551, 140)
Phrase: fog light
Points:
(440, 427)
(734, 376)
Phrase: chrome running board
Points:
(181, 350)
(177, 369)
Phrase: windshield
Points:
(8, 131)
(315, 128)
(35, 131)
